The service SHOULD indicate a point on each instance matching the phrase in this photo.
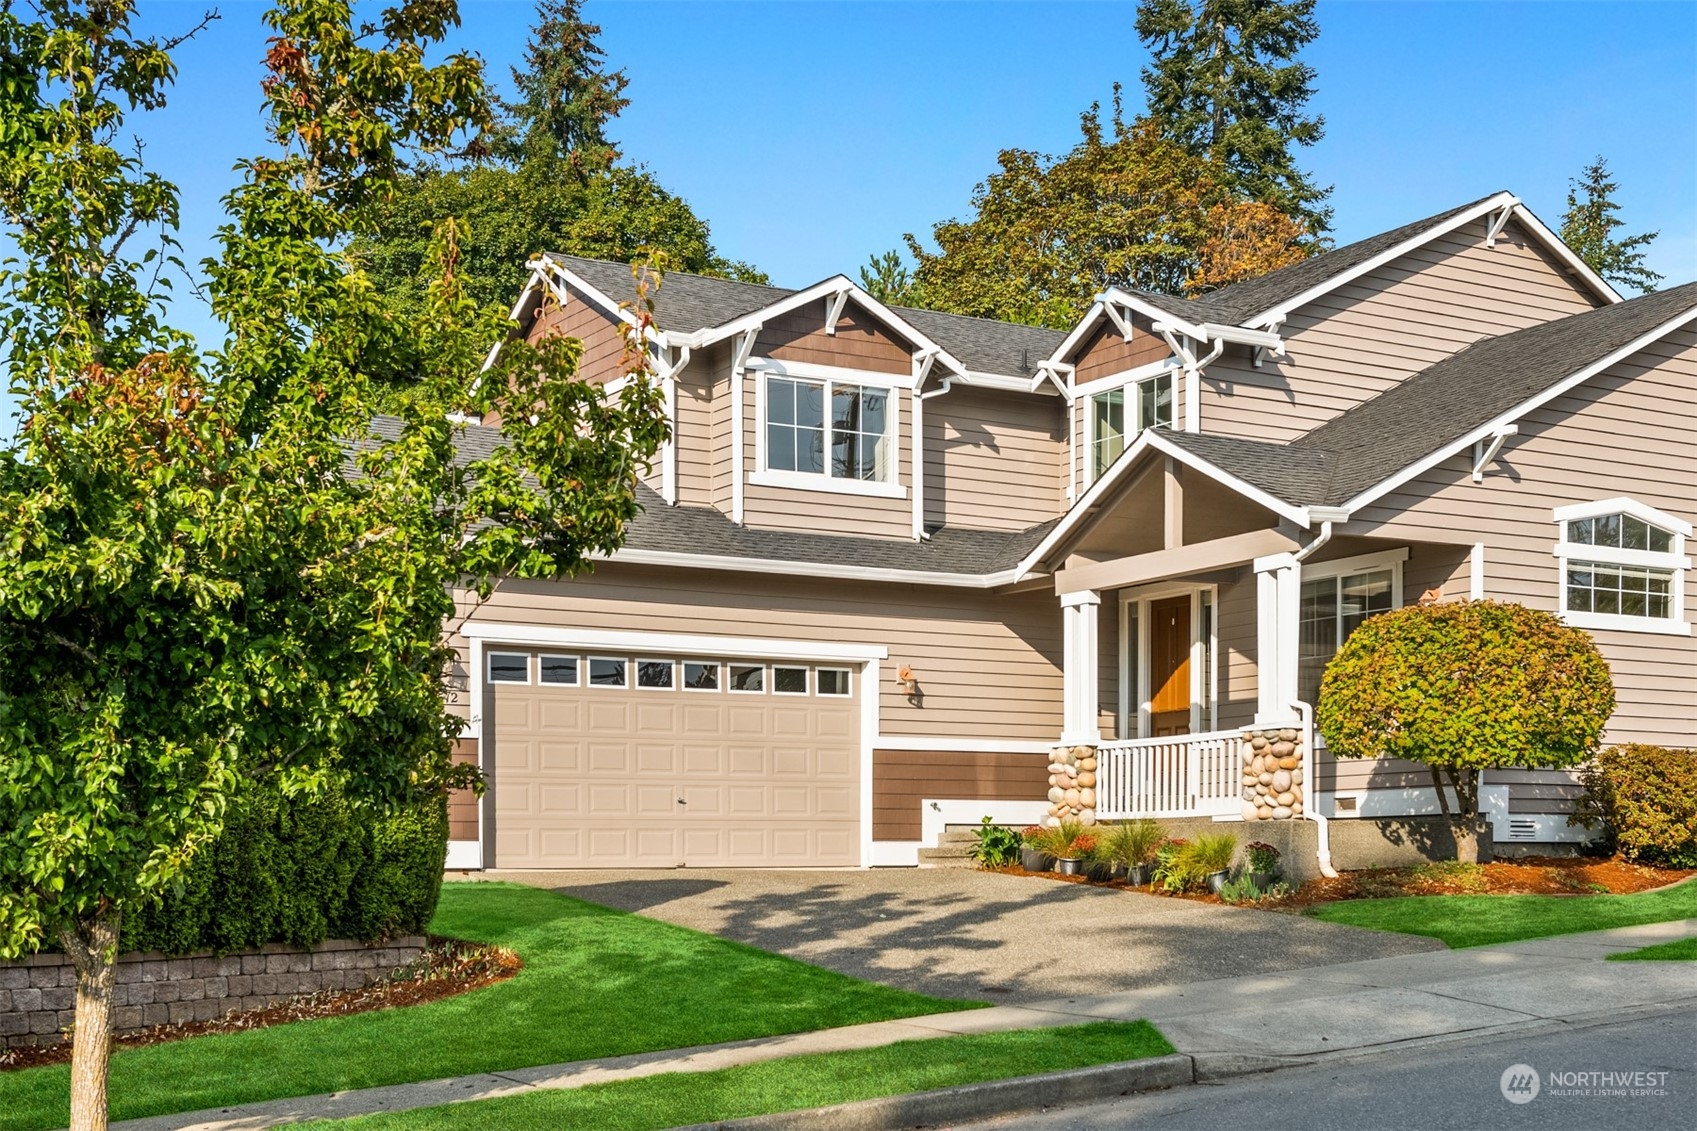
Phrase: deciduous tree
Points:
(1589, 224)
(1463, 687)
(219, 568)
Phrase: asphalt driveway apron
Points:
(959, 933)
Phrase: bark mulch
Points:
(447, 967)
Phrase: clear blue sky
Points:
(811, 135)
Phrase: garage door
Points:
(619, 761)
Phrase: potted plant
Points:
(1263, 864)
(1210, 859)
(997, 847)
(1129, 847)
(1031, 855)
(1094, 863)
(1061, 842)
(1169, 872)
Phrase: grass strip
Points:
(819, 1080)
(1679, 950)
(1480, 920)
(596, 983)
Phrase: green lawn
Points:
(1679, 950)
(1479, 920)
(681, 1098)
(596, 983)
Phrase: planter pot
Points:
(1263, 880)
(1138, 877)
(1100, 871)
(1034, 861)
(1069, 867)
(1218, 880)
(1117, 871)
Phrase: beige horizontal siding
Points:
(1373, 332)
(993, 459)
(987, 664)
(1630, 431)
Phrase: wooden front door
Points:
(1169, 666)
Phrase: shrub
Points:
(1169, 873)
(1130, 844)
(997, 847)
(1464, 687)
(1209, 853)
(1061, 842)
(1645, 799)
(301, 870)
(1263, 857)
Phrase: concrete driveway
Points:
(979, 935)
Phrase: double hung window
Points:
(838, 429)
(1333, 607)
(1118, 415)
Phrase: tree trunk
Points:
(1466, 784)
(93, 948)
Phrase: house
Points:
(894, 563)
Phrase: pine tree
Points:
(566, 97)
(1226, 84)
(1588, 228)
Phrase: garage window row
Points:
(668, 675)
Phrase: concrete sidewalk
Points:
(1228, 1026)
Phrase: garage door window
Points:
(561, 671)
(655, 675)
(509, 667)
(700, 677)
(605, 672)
(748, 678)
(833, 681)
(789, 681)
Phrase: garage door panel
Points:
(593, 776)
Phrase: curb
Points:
(976, 1101)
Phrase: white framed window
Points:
(1336, 598)
(1113, 417)
(833, 681)
(509, 667)
(655, 675)
(701, 676)
(608, 671)
(1622, 567)
(748, 679)
(561, 671)
(828, 429)
(788, 680)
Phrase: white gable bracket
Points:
(834, 310)
(745, 346)
(1485, 450)
(1498, 221)
(1118, 318)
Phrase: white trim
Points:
(870, 679)
(1420, 467)
(677, 644)
(464, 856)
(891, 853)
(739, 441)
(812, 371)
(1622, 504)
(1129, 377)
(839, 571)
(1672, 561)
(830, 484)
(962, 745)
(1098, 310)
(849, 672)
(937, 813)
(1614, 555)
(1359, 563)
(1476, 573)
(1614, 622)
(996, 381)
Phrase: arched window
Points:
(1622, 567)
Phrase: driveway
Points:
(980, 935)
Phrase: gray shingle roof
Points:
(688, 302)
(1297, 476)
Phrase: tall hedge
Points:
(1645, 798)
(299, 871)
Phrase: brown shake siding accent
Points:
(603, 343)
(462, 803)
(903, 779)
(1371, 333)
(1105, 353)
(861, 342)
(994, 460)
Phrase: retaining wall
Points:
(38, 994)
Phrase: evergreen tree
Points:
(1588, 228)
(566, 97)
(1226, 83)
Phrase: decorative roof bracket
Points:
(1497, 222)
(1118, 318)
(834, 309)
(1484, 451)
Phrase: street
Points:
(1457, 1087)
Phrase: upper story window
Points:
(827, 432)
(1336, 598)
(1622, 567)
(1115, 414)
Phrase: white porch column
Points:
(1278, 597)
(1078, 673)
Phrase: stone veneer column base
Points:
(1072, 785)
(1272, 773)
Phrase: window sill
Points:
(803, 481)
(1609, 622)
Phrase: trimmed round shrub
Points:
(1645, 799)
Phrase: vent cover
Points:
(1346, 804)
(1522, 828)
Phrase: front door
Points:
(1169, 666)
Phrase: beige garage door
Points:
(644, 761)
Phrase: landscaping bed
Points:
(1532, 875)
(446, 968)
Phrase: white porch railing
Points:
(1187, 775)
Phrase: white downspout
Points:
(919, 400)
(1306, 713)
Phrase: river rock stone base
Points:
(1072, 785)
(1272, 774)
(38, 994)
